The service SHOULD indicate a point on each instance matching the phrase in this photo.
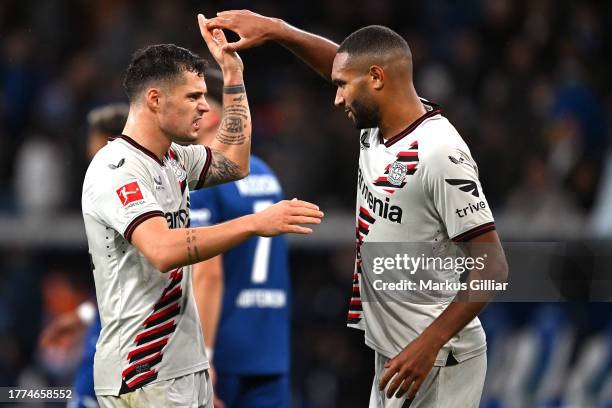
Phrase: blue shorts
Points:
(253, 391)
(84, 395)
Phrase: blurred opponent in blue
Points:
(243, 295)
(251, 340)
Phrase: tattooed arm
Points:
(232, 145)
(167, 248)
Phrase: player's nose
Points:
(203, 106)
(339, 101)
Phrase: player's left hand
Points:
(410, 367)
(228, 61)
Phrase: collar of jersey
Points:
(432, 110)
(138, 146)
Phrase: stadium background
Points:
(527, 84)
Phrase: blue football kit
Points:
(252, 346)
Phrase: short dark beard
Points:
(365, 115)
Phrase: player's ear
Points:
(377, 77)
(152, 98)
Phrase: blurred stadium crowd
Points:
(527, 84)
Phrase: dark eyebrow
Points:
(338, 82)
(195, 95)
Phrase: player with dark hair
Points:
(136, 211)
(417, 183)
(246, 290)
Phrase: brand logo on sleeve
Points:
(468, 186)
(116, 166)
(129, 193)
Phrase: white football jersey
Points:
(420, 186)
(150, 325)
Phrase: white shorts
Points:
(459, 386)
(191, 390)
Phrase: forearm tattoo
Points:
(235, 117)
(234, 89)
(221, 170)
(193, 255)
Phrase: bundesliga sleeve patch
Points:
(129, 193)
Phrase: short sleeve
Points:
(122, 199)
(196, 159)
(205, 207)
(450, 177)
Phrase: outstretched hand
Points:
(216, 42)
(286, 217)
(253, 29)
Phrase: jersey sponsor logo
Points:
(468, 186)
(470, 209)
(177, 219)
(116, 166)
(258, 184)
(383, 208)
(157, 180)
(130, 193)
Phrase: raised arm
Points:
(231, 147)
(255, 29)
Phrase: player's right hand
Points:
(286, 217)
(253, 29)
(228, 60)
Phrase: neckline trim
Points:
(433, 111)
(138, 146)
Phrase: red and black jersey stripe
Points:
(138, 382)
(162, 316)
(475, 232)
(168, 298)
(139, 220)
(144, 351)
(157, 329)
(365, 215)
(383, 182)
(156, 333)
(141, 367)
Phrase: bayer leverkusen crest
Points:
(396, 173)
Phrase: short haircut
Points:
(374, 40)
(161, 62)
(108, 119)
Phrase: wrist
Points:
(232, 76)
(252, 224)
(434, 337)
(276, 29)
